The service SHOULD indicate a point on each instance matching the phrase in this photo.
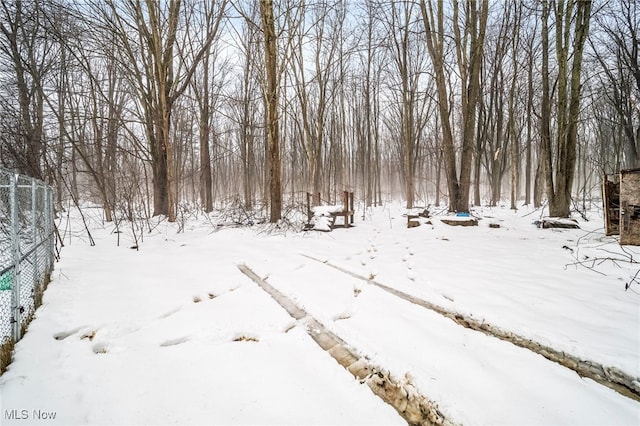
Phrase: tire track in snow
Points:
(610, 377)
(415, 408)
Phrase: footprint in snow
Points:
(64, 334)
(246, 338)
(89, 335)
(174, 342)
(342, 316)
(101, 348)
(168, 314)
(289, 327)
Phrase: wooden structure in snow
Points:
(611, 201)
(459, 221)
(622, 206)
(630, 207)
(317, 212)
(557, 222)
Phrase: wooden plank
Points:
(351, 208)
(630, 207)
(630, 186)
(611, 206)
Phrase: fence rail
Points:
(27, 250)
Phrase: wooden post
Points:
(352, 207)
(345, 208)
(309, 214)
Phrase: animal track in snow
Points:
(89, 335)
(64, 334)
(246, 338)
(210, 295)
(342, 316)
(168, 314)
(101, 348)
(290, 327)
(174, 342)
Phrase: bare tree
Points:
(158, 78)
(469, 46)
(28, 56)
(616, 52)
(493, 135)
(413, 95)
(370, 61)
(569, 52)
(248, 111)
(207, 17)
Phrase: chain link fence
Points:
(27, 250)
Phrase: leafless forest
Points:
(154, 107)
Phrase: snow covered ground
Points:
(175, 334)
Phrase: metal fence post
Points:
(22, 252)
(34, 232)
(49, 227)
(15, 241)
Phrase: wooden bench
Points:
(346, 212)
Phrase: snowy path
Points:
(176, 334)
(607, 376)
(468, 374)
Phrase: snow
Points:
(175, 334)
(322, 223)
(322, 220)
(327, 210)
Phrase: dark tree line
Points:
(151, 107)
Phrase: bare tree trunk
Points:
(206, 176)
(514, 152)
(529, 151)
(271, 94)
